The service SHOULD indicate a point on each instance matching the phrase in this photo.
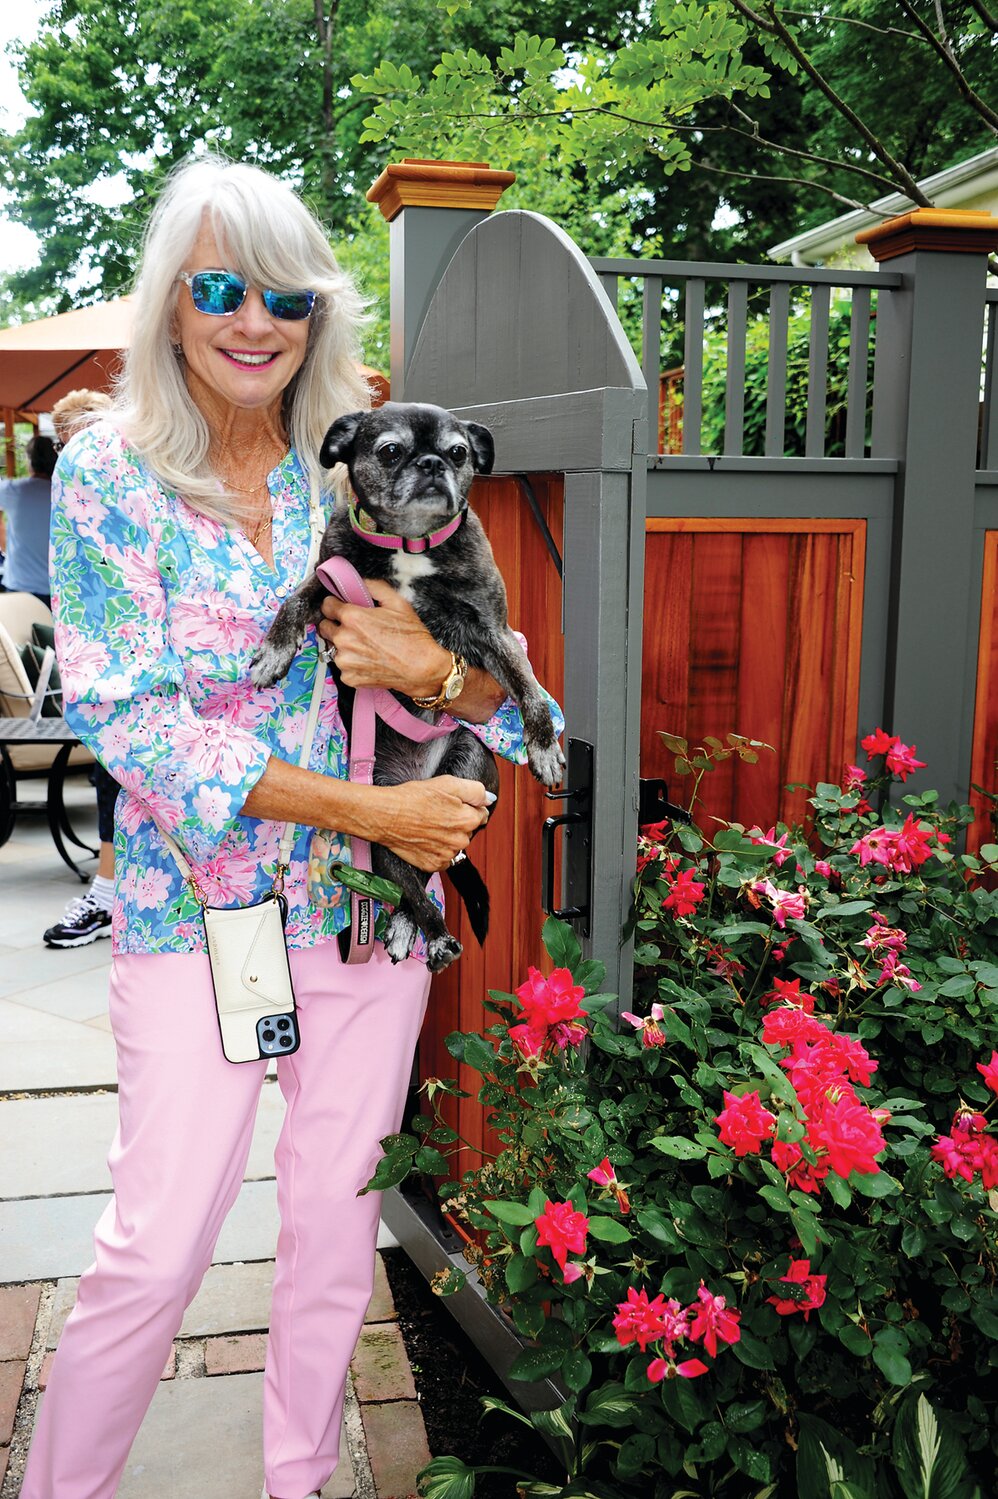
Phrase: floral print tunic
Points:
(158, 612)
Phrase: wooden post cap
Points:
(438, 184)
(970, 231)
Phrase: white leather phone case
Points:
(252, 979)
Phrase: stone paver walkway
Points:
(201, 1438)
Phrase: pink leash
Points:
(342, 579)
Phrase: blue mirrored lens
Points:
(218, 293)
(289, 306)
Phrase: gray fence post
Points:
(430, 206)
(927, 378)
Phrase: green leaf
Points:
(510, 1212)
(609, 1230)
(521, 1272)
(893, 1364)
(535, 1363)
(930, 1458)
(576, 1371)
(818, 1438)
(844, 908)
(446, 1478)
(752, 1351)
(679, 1147)
(610, 1405)
(562, 944)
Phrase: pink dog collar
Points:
(394, 543)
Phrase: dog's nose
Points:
(430, 465)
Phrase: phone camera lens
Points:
(284, 1025)
(268, 1034)
(285, 1040)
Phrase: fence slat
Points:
(859, 364)
(734, 389)
(609, 281)
(693, 366)
(651, 356)
(776, 384)
(817, 373)
(988, 456)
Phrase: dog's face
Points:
(411, 465)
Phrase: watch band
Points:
(451, 687)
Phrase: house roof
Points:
(946, 189)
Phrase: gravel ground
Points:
(451, 1377)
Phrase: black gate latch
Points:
(654, 804)
(578, 839)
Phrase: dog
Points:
(411, 467)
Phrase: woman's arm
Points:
(425, 822)
(391, 647)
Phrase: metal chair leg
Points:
(55, 809)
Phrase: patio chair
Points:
(33, 743)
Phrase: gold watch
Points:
(452, 686)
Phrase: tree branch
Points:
(942, 48)
(990, 21)
(821, 161)
(818, 15)
(774, 26)
(819, 187)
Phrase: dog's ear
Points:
(483, 449)
(337, 445)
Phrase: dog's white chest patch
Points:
(407, 567)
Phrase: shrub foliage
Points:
(746, 1226)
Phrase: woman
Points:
(179, 526)
(26, 505)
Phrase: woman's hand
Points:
(391, 647)
(425, 822)
(384, 647)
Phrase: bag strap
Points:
(317, 526)
(369, 703)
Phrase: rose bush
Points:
(748, 1228)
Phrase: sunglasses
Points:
(221, 293)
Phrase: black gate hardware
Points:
(578, 826)
(654, 804)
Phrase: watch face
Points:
(455, 687)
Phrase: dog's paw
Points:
(442, 951)
(400, 934)
(547, 762)
(269, 665)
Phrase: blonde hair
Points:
(273, 240)
(76, 410)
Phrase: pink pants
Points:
(185, 1124)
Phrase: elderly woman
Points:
(179, 525)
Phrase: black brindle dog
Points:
(411, 468)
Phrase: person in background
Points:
(27, 505)
(88, 916)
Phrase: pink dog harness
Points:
(342, 580)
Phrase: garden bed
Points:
(451, 1377)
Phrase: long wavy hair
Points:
(272, 239)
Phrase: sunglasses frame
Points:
(189, 277)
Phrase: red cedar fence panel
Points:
(508, 853)
(984, 755)
(753, 626)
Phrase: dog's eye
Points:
(458, 453)
(389, 453)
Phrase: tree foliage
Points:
(690, 127)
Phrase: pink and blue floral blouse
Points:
(158, 612)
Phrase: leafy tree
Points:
(877, 102)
